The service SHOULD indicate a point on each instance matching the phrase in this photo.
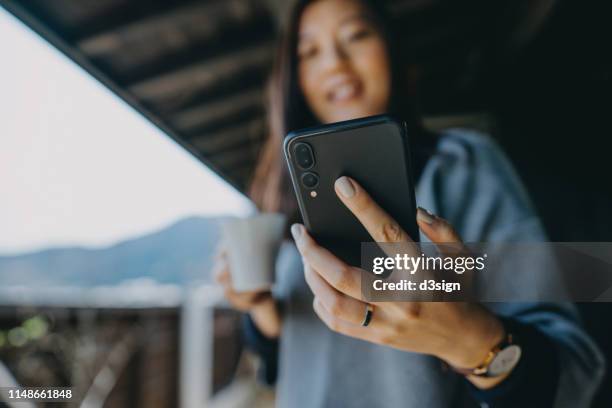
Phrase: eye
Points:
(306, 52)
(359, 34)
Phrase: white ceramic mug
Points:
(252, 245)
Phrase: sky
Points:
(78, 166)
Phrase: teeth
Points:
(343, 92)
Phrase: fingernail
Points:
(425, 216)
(296, 231)
(345, 187)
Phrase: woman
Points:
(337, 61)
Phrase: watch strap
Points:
(482, 369)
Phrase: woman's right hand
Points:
(242, 301)
(259, 304)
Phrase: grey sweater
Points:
(469, 182)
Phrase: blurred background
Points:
(130, 126)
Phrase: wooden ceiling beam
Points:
(232, 159)
(243, 81)
(207, 113)
(245, 135)
(125, 14)
(247, 114)
(185, 82)
(201, 18)
(155, 50)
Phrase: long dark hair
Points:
(271, 188)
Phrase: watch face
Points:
(504, 361)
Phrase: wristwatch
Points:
(500, 360)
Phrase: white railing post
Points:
(196, 346)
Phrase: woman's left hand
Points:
(459, 333)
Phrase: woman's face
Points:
(343, 68)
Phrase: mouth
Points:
(344, 91)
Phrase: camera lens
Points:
(310, 180)
(304, 156)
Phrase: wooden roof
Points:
(197, 68)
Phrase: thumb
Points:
(437, 229)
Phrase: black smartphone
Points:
(375, 152)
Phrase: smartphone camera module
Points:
(310, 180)
(304, 156)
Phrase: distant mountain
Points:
(180, 253)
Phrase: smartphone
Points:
(375, 152)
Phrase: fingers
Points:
(380, 225)
(338, 274)
(376, 221)
(337, 303)
(341, 326)
(221, 272)
(440, 232)
(437, 229)
(243, 301)
(246, 301)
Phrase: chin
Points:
(340, 115)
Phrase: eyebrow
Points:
(355, 16)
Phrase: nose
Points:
(334, 57)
